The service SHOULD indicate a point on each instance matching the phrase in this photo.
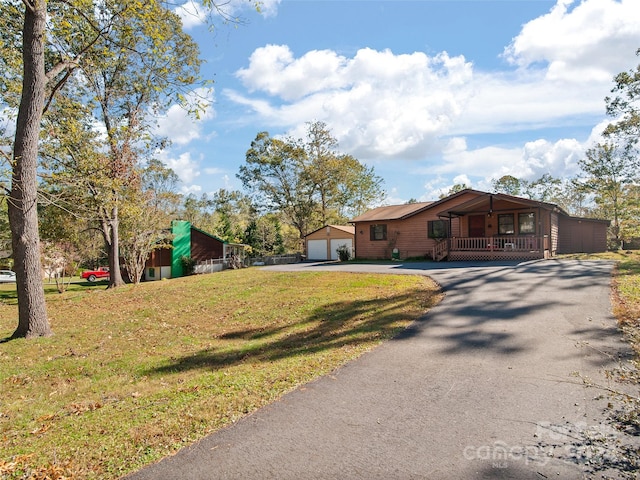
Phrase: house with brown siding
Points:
(476, 225)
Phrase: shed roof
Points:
(215, 237)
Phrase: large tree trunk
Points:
(23, 217)
(110, 226)
(115, 277)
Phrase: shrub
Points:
(344, 253)
(188, 265)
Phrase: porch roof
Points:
(484, 203)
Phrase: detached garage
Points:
(323, 243)
(582, 235)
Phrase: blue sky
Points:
(429, 93)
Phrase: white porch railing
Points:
(502, 243)
(212, 265)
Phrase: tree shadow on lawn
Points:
(334, 326)
(9, 296)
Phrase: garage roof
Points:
(350, 229)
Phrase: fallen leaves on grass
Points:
(18, 467)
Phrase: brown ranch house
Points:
(475, 225)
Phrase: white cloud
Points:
(380, 104)
(194, 13)
(479, 162)
(580, 41)
(390, 107)
(184, 166)
(269, 8)
(377, 103)
(559, 158)
(182, 128)
(526, 100)
(186, 190)
(483, 165)
(461, 180)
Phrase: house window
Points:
(378, 232)
(526, 223)
(505, 224)
(437, 228)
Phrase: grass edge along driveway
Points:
(134, 374)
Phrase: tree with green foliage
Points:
(544, 188)
(358, 190)
(128, 53)
(630, 214)
(233, 211)
(458, 187)
(275, 175)
(308, 181)
(198, 211)
(322, 166)
(624, 106)
(161, 183)
(608, 169)
(147, 216)
(507, 184)
(344, 187)
(562, 192)
(153, 65)
(61, 240)
(264, 236)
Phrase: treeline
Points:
(293, 186)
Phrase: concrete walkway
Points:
(487, 385)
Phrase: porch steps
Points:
(441, 250)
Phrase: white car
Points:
(7, 276)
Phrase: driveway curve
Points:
(488, 384)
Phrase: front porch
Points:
(493, 248)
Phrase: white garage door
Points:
(317, 250)
(336, 242)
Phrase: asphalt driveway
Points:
(489, 384)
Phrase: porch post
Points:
(539, 234)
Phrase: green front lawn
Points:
(133, 374)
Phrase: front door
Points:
(476, 225)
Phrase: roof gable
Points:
(345, 228)
(350, 229)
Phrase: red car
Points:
(93, 275)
